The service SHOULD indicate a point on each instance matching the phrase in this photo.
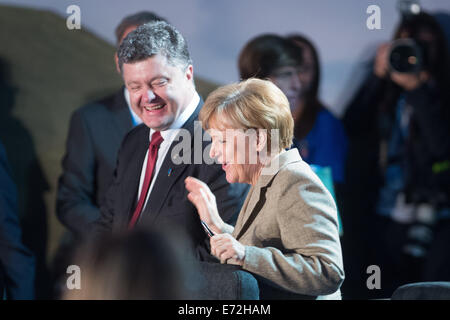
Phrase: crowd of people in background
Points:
(376, 181)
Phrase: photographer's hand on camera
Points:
(409, 81)
(381, 66)
(381, 69)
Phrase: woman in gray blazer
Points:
(287, 230)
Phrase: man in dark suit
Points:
(148, 188)
(17, 265)
(95, 134)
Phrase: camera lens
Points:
(405, 56)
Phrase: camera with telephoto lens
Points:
(407, 56)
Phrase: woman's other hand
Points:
(227, 249)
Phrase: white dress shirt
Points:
(168, 136)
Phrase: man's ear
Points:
(190, 72)
(116, 60)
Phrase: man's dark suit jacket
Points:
(168, 204)
(17, 266)
(95, 134)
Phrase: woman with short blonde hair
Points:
(250, 104)
(287, 232)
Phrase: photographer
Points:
(398, 125)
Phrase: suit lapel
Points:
(133, 173)
(169, 173)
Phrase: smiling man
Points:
(148, 188)
(159, 91)
(95, 133)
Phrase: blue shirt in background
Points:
(326, 145)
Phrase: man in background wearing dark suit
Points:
(95, 133)
(17, 265)
(148, 190)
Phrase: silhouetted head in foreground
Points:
(134, 266)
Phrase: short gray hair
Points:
(155, 38)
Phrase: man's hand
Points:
(227, 249)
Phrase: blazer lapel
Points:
(243, 212)
(258, 196)
(256, 202)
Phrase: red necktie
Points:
(151, 161)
